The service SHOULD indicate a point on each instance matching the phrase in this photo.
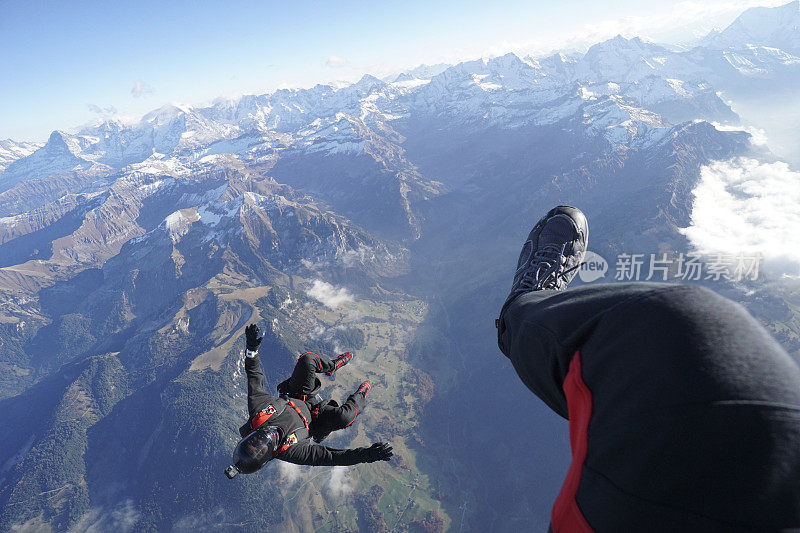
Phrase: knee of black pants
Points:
(306, 365)
(674, 308)
(342, 416)
(344, 419)
(677, 297)
(308, 360)
(685, 344)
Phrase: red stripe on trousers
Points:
(566, 516)
(355, 416)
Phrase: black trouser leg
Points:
(541, 330)
(303, 380)
(694, 409)
(335, 417)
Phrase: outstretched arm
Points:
(257, 396)
(315, 455)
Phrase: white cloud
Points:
(335, 62)
(685, 21)
(340, 484)
(124, 517)
(758, 136)
(745, 206)
(200, 521)
(289, 472)
(328, 294)
(693, 10)
(691, 18)
(328, 334)
(361, 256)
(141, 89)
(108, 110)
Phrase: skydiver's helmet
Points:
(254, 451)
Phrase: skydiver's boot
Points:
(553, 253)
(339, 362)
(364, 388)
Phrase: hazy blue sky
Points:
(63, 64)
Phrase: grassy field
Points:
(388, 328)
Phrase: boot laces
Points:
(549, 272)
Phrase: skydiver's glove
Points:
(253, 340)
(379, 451)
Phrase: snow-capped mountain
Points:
(420, 73)
(10, 151)
(61, 153)
(628, 92)
(502, 91)
(777, 27)
(383, 216)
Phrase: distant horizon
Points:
(146, 63)
(131, 119)
(337, 84)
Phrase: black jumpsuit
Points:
(328, 416)
(684, 413)
(295, 446)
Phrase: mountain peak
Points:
(165, 113)
(510, 59)
(369, 81)
(58, 143)
(56, 137)
(558, 58)
(367, 84)
(777, 27)
(422, 72)
(621, 43)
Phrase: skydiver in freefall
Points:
(684, 413)
(282, 427)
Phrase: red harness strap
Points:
(262, 416)
(297, 410)
(291, 440)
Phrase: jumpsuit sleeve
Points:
(257, 396)
(316, 455)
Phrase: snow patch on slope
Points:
(177, 224)
(160, 164)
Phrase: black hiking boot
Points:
(553, 253)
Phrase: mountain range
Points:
(383, 217)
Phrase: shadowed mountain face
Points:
(380, 218)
